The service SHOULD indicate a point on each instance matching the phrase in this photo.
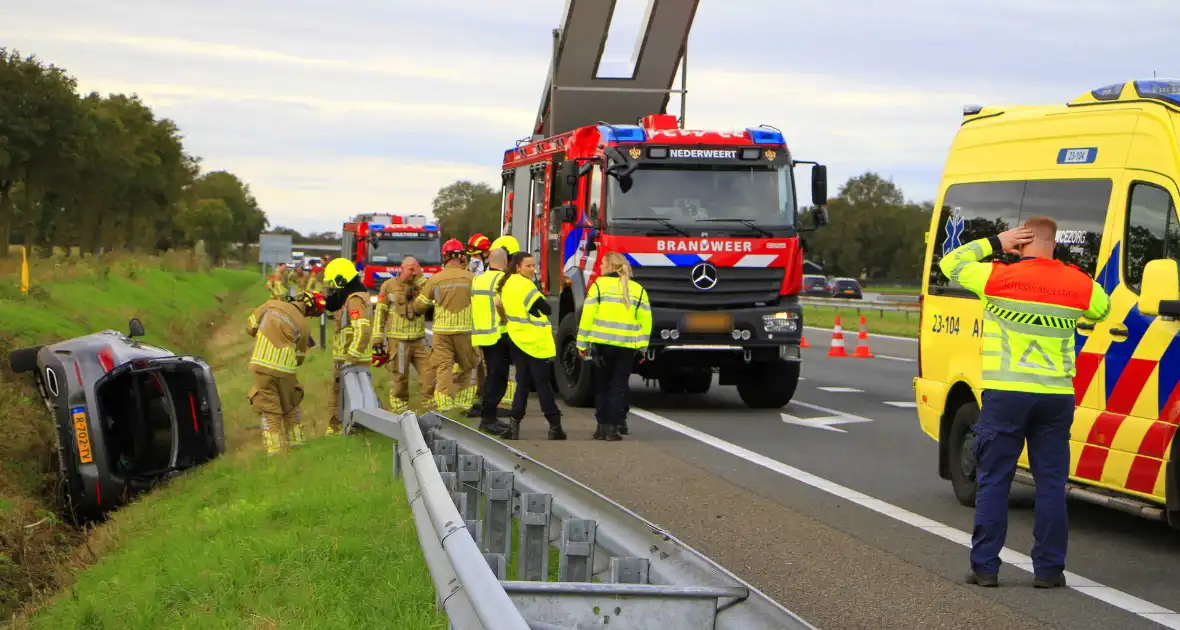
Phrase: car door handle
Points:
(1119, 332)
(1085, 326)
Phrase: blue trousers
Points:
(1006, 420)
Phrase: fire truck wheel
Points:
(573, 378)
(671, 384)
(961, 453)
(698, 382)
(769, 385)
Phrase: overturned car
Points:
(128, 415)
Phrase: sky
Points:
(327, 109)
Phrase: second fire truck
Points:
(379, 242)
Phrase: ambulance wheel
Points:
(961, 453)
(23, 359)
(573, 377)
(769, 385)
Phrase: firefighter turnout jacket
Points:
(280, 334)
(487, 325)
(529, 329)
(607, 318)
(449, 293)
(353, 330)
(395, 316)
(1030, 311)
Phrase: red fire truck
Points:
(708, 221)
(379, 242)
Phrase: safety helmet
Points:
(339, 272)
(478, 244)
(313, 302)
(453, 249)
(508, 243)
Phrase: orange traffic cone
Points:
(837, 349)
(862, 342)
(803, 343)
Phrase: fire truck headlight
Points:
(780, 322)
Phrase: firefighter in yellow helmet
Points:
(349, 299)
(399, 336)
(448, 292)
(508, 244)
(281, 339)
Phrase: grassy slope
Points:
(321, 538)
(876, 322)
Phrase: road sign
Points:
(274, 249)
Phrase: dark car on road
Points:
(815, 286)
(128, 415)
(844, 288)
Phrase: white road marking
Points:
(823, 422)
(871, 335)
(1119, 599)
(842, 390)
(889, 358)
(902, 404)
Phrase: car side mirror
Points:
(566, 184)
(566, 214)
(135, 328)
(1160, 292)
(819, 185)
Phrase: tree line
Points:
(105, 173)
(874, 230)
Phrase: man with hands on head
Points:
(399, 336)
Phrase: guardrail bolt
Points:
(629, 570)
(470, 481)
(532, 560)
(576, 557)
(498, 512)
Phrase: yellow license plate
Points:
(82, 436)
(708, 322)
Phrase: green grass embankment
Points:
(901, 324)
(322, 537)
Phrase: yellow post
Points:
(24, 271)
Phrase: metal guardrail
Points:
(896, 306)
(614, 568)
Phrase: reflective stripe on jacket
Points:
(352, 343)
(609, 319)
(280, 334)
(394, 316)
(532, 334)
(487, 325)
(1030, 311)
(449, 293)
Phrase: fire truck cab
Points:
(708, 220)
(377, 243)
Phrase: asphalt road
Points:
(831, 559)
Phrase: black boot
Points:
(513, 430)
(494, 427)
(556, 432)
(600, 432)
(623, 430)
(503, 413)
(612, 433)
(475, 411)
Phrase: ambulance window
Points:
(1152, 232)
(970, 212)
(1079, 208)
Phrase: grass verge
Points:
(177, 299)
(321, 538)
(877, 322)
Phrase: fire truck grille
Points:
(737, 287)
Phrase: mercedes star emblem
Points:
(704, 276)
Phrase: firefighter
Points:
(1031, 309)
(615, 325)
(275, 282)
(281, 339)
(315, 279)
(399, 336)
(531, 335)
(508, 244)
(448, 292)
(349, 299)
(490, 337)
(478, 247)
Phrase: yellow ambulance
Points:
(1106, 167)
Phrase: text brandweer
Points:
(704, 246)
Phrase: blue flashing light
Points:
(622, 133)
(430, 228)
(376, 226)
(1162, 89)
(762, 135)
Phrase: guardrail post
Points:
(475, 528)
(460, 499)
(498, 512)
(451, 481)
(498, 564)
(629, 570)
(397, 462)
(532, 559)
(470, 476)
(440, 462)
(576, 559)
(449, 450)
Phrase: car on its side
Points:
(128, 415)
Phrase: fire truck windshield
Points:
(390, 250)
(684, 194)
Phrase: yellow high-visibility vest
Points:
(532, 334)
(485, 330)
(608, 319)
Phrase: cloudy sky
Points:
(331, 108)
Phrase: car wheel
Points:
(961, 453)
(24, 359)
